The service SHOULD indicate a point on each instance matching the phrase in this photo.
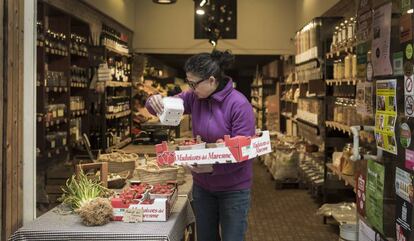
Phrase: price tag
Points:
(133, 215)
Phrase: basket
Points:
(153, 174)
(120, 182)
(119, 161)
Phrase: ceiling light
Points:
(213, 42)
(164, 1)
(200, 12)
(203, 2)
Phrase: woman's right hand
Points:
(155, 101)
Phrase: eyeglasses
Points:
(193, 84)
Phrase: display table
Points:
(53, 226)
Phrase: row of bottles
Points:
(117, 131)
(55, 79)
(78, 45)
(345, 112)
(75, 131)
(77, 103)
(112, 39)
(120, 70)
(307, 38)
(344, 35)
(345, 69)
(79, 76)
(56, 43)
(116, 105)
(40, 36)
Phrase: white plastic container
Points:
(173, 111)
(349, 232)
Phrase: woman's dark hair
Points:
(214, 64)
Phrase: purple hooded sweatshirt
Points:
(226, 112)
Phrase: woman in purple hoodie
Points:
(221, 192)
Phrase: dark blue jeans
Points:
(227, 209)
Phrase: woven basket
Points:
(119, 161)
(153, 174)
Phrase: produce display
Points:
(159, 197)
(231, 150)
(88, 198)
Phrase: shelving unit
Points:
(264, 86)
(57, 52)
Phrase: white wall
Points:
(306, 10)
(121, 10)
(264, 27)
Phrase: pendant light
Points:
(164, 1)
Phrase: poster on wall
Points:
(409, 95)
(361, 193)
(403, 219)
(404, 185)
(386, 115)
(375, 195)
(406, 33)
(381, 29)
(366, 233)
(409, 159)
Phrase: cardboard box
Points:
(237, 149)
(159, 210)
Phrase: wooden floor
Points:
(284, 214)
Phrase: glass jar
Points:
(348, 66)
(340, 111)
(354, 66)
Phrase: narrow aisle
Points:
(284, 215)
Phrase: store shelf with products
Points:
(348, 179)
(263, 87)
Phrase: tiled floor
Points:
(284, 215)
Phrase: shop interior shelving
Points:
(62, 46)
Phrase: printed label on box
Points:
(204, 156)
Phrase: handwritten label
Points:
(133, 215)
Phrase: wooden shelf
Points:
(351, 81)
(338, 126)
(118, 84)
(350, 48)
(363, 135)
(110, 49)
(118, 115)
(120, 145)
(349, 180)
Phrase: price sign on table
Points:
(133, 215)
